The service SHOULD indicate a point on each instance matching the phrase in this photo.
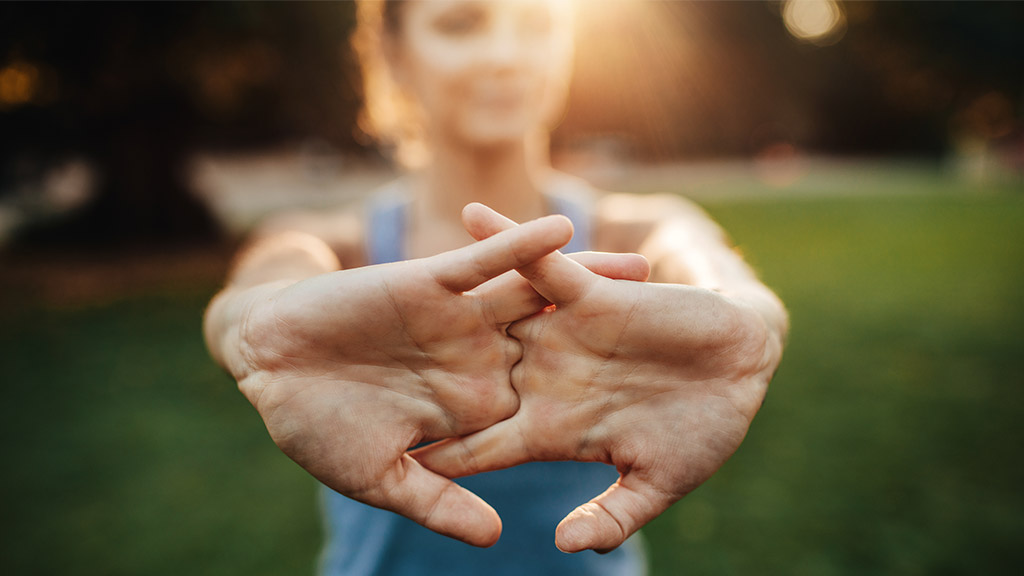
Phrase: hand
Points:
(352, 368)
(660, 380)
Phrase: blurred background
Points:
(866, 157)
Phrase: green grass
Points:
(890, 442)
(129, 452)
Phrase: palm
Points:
(350, 369)
(659, 380)
(436, 358)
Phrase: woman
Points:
(354, 364)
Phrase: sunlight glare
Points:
(820, 22)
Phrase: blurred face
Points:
(484, 72)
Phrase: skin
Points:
(659, 378)
(487, 78)
(484, 73)
(350, 369)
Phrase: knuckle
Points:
(514, 351)
(517, 376)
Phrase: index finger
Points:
(466, 268)
(555, 277)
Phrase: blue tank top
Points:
(531, 499)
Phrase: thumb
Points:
(436, 503)
(605, 522)
(495, 448)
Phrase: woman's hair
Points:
(388, 115)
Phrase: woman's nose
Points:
(503, 46)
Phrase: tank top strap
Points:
(574, 199)
(579, 214)
(531, 498)
(386, 214)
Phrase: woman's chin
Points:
(497, 135)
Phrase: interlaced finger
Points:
(466, 268)
(555, 277)
(510, 297)
(495, 448)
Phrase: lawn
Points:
(890, 442)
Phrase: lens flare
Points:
(820, 22)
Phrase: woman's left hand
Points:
(660, 380)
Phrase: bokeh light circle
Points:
(820, 22)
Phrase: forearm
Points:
(260, 270)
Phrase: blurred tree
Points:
(135, 88)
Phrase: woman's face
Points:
(484, 72)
